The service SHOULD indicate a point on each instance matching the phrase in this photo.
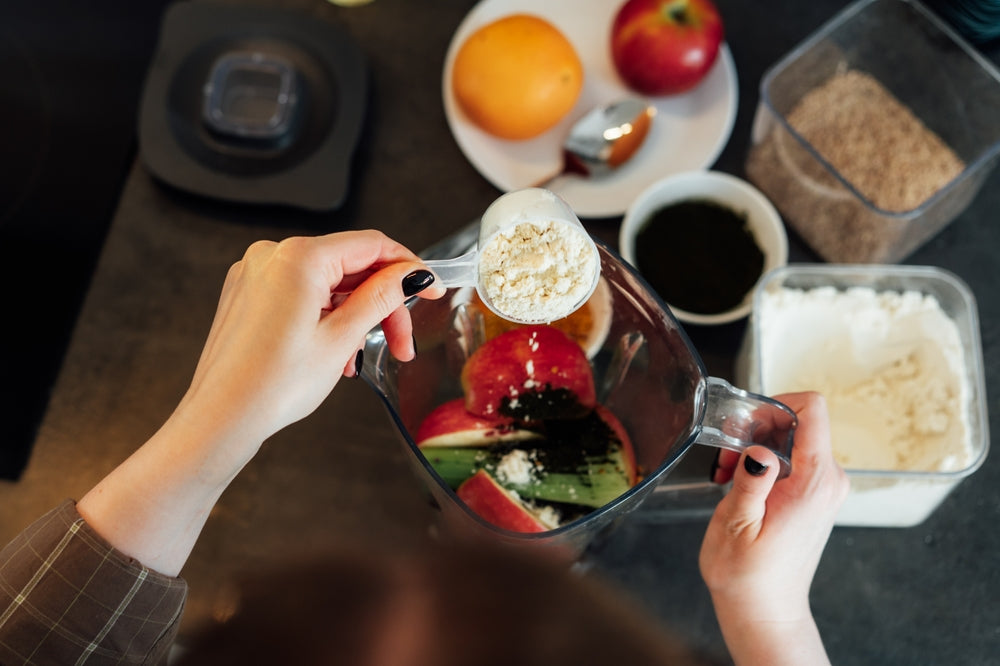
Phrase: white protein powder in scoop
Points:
(890, 365)
(538, 270)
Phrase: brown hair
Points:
(446, 605)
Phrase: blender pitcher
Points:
(646, 372)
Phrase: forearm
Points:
(794, 641)
(154, 505)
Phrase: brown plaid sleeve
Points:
(68, 597)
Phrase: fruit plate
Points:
(688, 133)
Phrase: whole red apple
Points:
(664, 47)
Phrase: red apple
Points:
(529, 373)
(451, 424)
(489, 501)
(663, 47)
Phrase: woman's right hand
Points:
(289, 324)
(765, 540)
(291, 319)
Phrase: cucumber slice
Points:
(455, 464)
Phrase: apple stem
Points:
(678, 12)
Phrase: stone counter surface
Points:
(921, 595)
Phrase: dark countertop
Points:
(921, 595)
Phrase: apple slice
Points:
(529, 374)
(486, 498)
(627, 463)
(451, 424)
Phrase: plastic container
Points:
(251, 95)
(878, 497)
(929, 69)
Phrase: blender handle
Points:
(736, 419)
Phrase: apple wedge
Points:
(529, 374)
(628, 464)
(489, 501)
(451, 424)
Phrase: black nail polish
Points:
(414, 338)
(416, 282)
(754, 467)
(359, 362)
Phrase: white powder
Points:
(538, 271)
(890, 365)
(547, 515)
(519, 468)
(515, 468)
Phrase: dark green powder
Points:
(699, 256)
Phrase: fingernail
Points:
(359, 362)
(414, 338)
(417, 281)
(754, 467)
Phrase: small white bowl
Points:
(723, 189)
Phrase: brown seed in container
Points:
(874, 142)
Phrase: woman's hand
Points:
(291, 320)
(765, 539)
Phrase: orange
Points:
(516, 77)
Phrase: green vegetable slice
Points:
(594, 482)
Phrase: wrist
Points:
(761, 604)
(153, 506)
(215, 439)
(771, 633)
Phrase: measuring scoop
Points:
(534, 261)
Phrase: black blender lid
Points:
(253, 105)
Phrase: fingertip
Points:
(354, 365)
(359, 362)
(433, 292)
(743, 509)
(417, 281)
(755, 474)
(759, 461)
(753, 467)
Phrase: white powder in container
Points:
(890, 365)
(538, 271)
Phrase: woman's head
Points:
(447, 604)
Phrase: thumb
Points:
(746, 502)
(381, 294)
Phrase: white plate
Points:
(688, 132)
